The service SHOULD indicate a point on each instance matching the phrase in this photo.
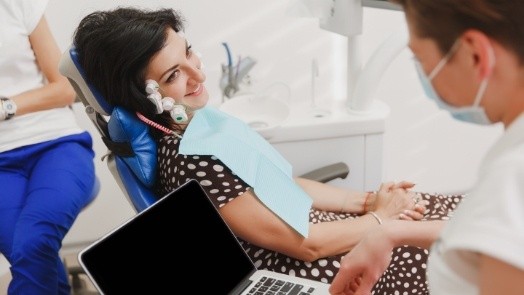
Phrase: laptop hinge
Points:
(244, 284)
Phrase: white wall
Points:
(422, 144)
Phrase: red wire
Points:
(156, 125)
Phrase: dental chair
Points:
(132, 151)
(132, 154)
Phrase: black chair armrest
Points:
(328, 173)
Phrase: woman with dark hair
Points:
(470, 58)
(140, 60)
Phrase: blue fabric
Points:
(141, 196)
(252, 158)
(43, 189)
(126, 127)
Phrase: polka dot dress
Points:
(405, 274)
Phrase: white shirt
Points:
(489, 221)
(19, 72)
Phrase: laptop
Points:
(181, 243)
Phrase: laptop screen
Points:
(180, 242)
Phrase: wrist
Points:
(3, 114)
(376, 216)
(369, 201)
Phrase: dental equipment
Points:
(316, 111)
(345, 17)
(234, 75)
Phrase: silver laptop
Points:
(182, 243)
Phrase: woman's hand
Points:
(394, 201)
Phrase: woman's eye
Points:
(173, 76)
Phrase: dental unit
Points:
(234, 75)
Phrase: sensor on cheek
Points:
(156, 99)
(178, 113)
(153, 95)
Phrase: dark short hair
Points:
(445, 20)
(114, 49)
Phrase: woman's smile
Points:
(197, 91)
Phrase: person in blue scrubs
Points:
(46, 160)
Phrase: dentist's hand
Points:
(361, 268)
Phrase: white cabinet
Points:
(308, 143)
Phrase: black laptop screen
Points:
(179, 243)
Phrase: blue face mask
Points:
(472, 114)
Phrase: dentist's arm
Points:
(499, 277)
(362, 267)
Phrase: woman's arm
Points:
(57, 92)
(335, 199)
(252, 221)
(331, 198)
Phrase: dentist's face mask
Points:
(473, 114)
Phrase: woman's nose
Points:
(196, 74)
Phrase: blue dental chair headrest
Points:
(133, 157)
(126, 127)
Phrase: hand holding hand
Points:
(396, 202)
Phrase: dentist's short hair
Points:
(445, 20)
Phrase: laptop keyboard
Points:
(271, 286)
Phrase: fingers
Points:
(357, 286)
(419, 204)
(404, 185)
(345, 280)
(404, 216)
(386, 187)
(366, 284)
(417, 213)
(410, 215)
(353, 286)
(420, 208)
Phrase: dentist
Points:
(470, 57)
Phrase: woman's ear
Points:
(481, 50)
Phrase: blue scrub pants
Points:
(43, 188)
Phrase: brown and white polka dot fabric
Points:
(405, 274)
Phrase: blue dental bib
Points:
(253, 159)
